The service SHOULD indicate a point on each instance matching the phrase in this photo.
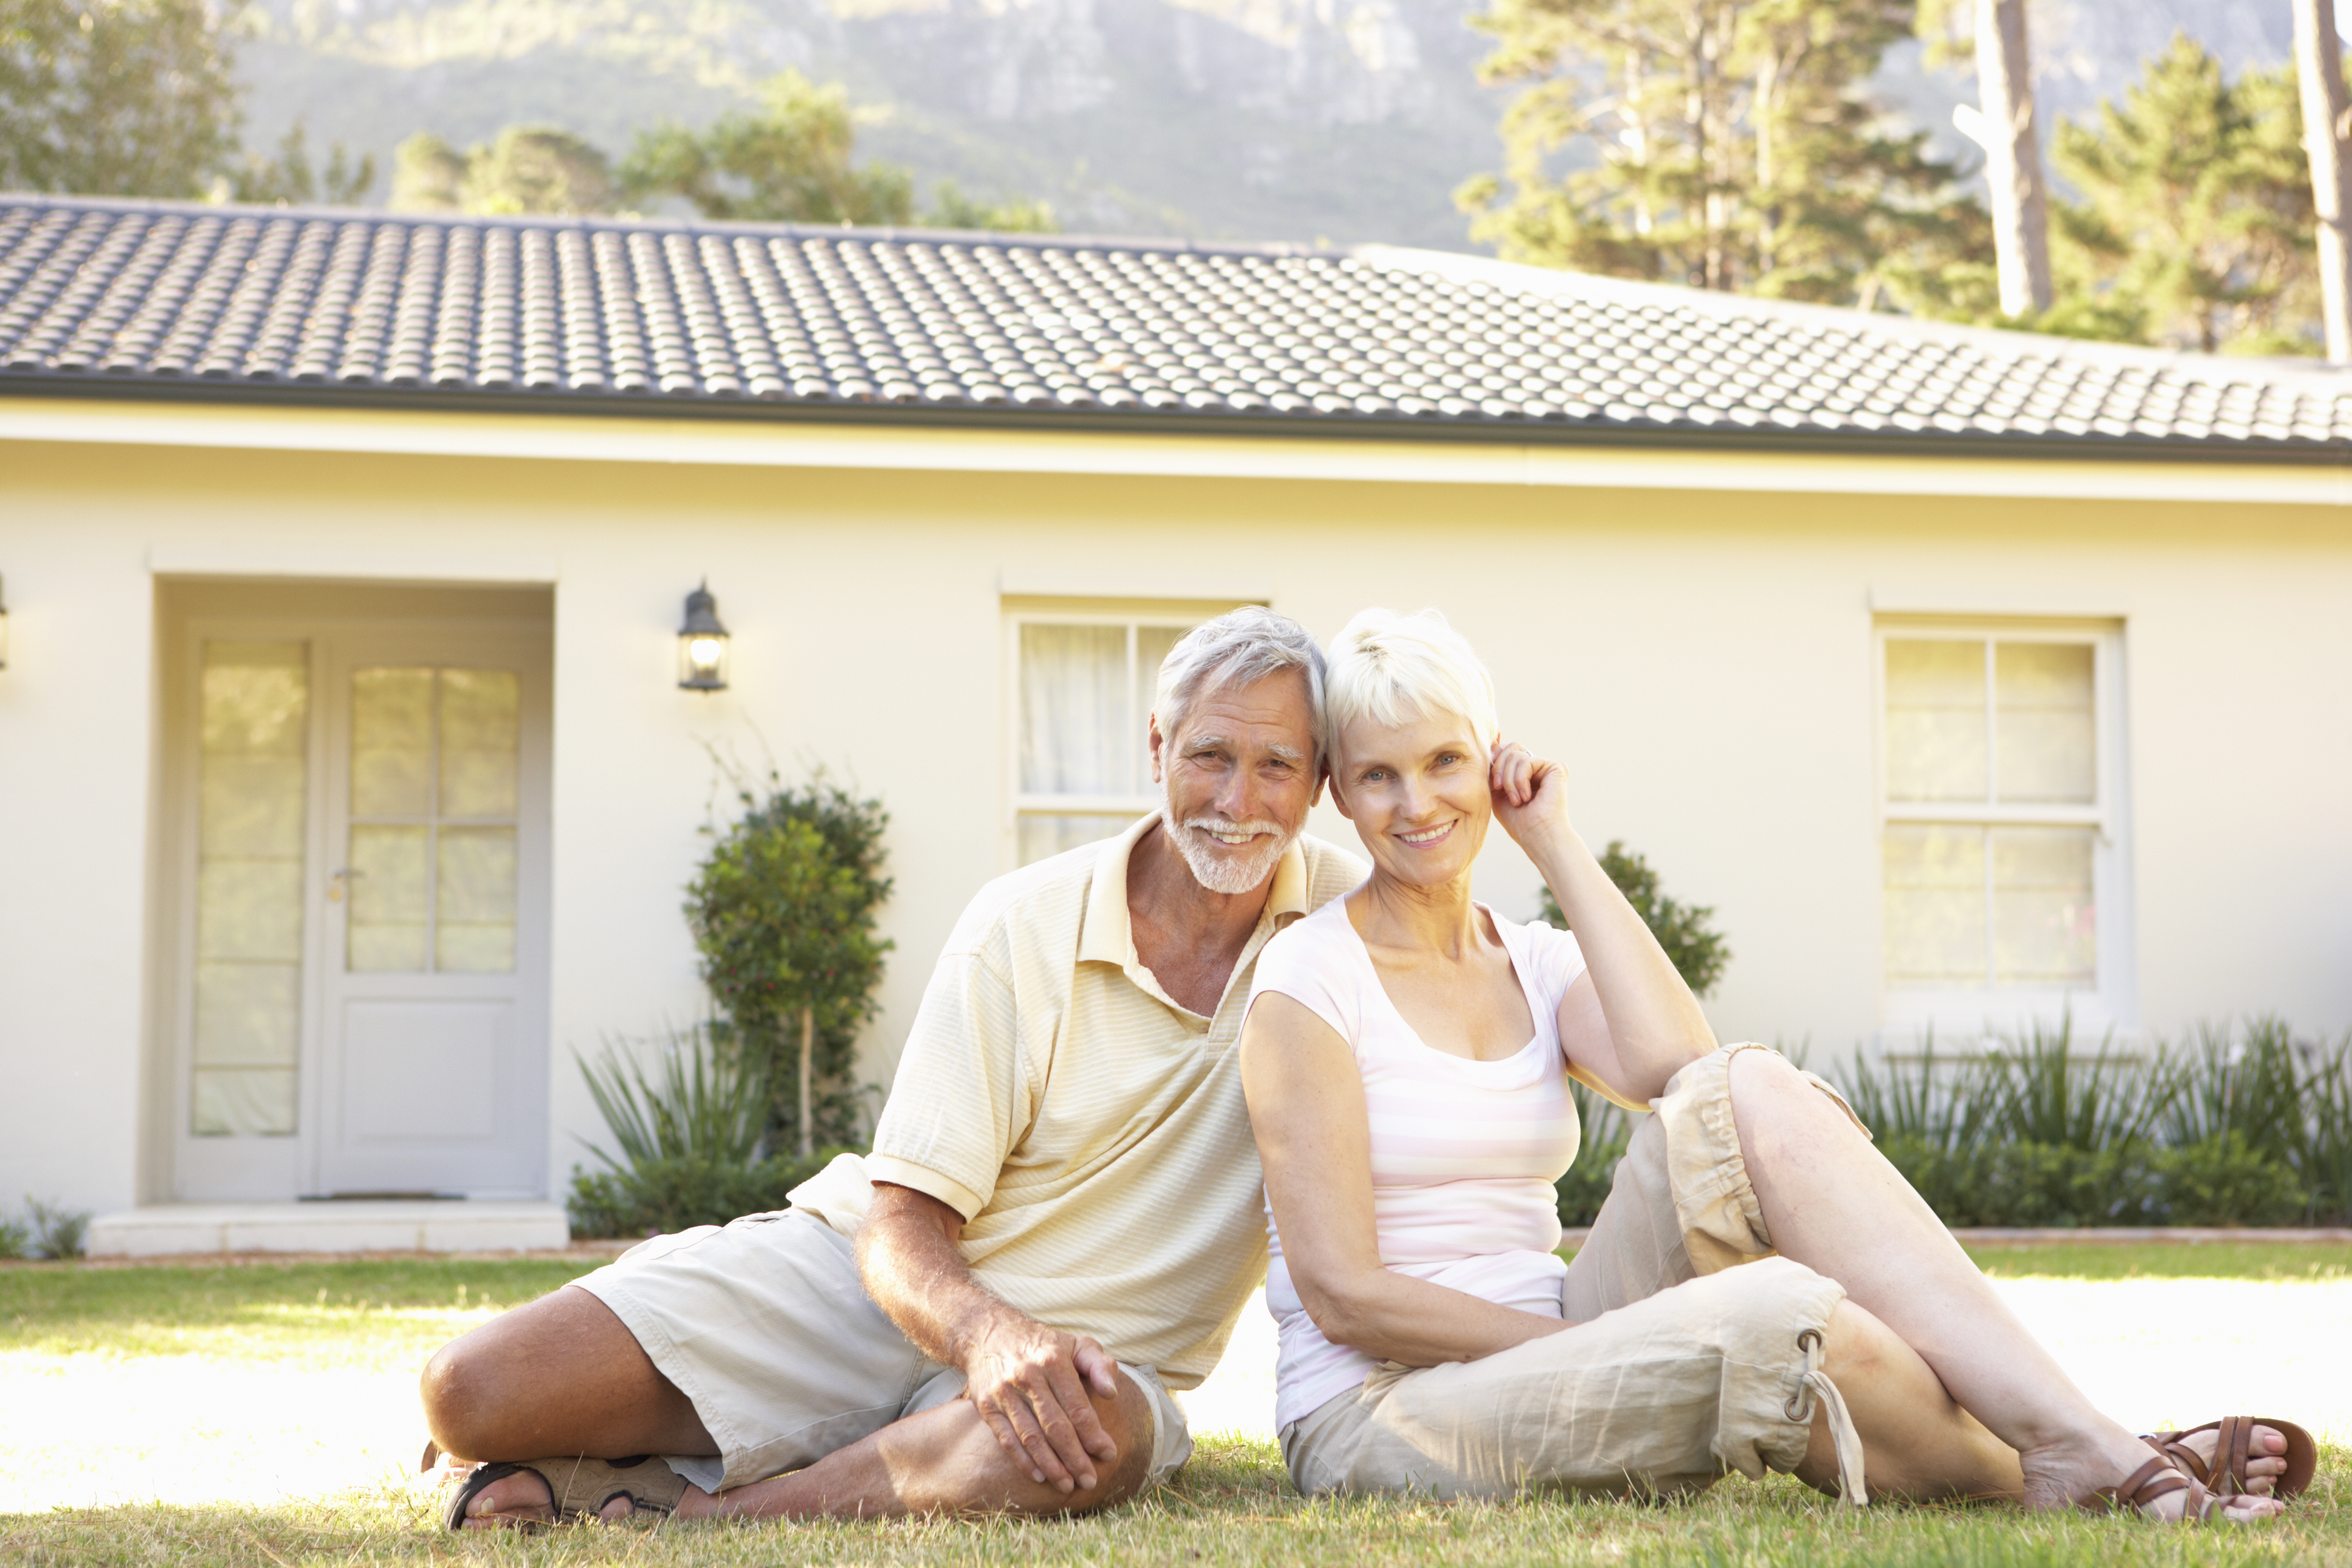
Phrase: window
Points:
(1082, 760)
(2001, 825)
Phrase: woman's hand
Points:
(1530, 793)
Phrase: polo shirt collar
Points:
(1109, 935)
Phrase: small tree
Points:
(787, 163)
(526, 168)
(1697, 950)
(784, 912)
(132, 98)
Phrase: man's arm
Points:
(1028, 1382)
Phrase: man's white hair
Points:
(1394, 669)
(1241, 647)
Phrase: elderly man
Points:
(1059, 1222)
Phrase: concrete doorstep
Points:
(451, 1225)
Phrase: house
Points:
(348, 786)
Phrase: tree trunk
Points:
(2021, 208)
(2319, 59)
(808, 1071)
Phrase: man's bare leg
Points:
(563, 1375)
(560, 1375)
(1833, 1203)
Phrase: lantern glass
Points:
(702, 644)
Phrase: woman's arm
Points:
(1306, 1107)
(1629, 1023)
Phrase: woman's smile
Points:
(1421, 837)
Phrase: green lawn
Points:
(1232, 1505)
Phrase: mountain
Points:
(1300, 119)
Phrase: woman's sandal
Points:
(2151, 1484)
(580, 1488)
(2233, 1447)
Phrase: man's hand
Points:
(1030, 1383)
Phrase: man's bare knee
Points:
(558, 1370)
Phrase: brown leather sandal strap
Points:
(2182, 1457)
(2233, 1446)
(2150, 1482)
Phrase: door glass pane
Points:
(2045, 930)
(1934, 906)
(1152, 647)
(2046, 742)
(251, 796)
(1075, 737)
(481, 742)
(389, 899)
(392, 742)
(1934, 718)
(474, 902)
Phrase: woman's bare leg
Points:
(1917, 1441)
(1833, 1203)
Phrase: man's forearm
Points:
(916, 1274)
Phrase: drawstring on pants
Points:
(1816, 1384)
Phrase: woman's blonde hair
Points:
(1393, 668)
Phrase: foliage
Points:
(49, 1230)
(788, 162)
(1605, 1127)
(701, 1103)
(951, 209)
(783, 911)
(290, 179)
(2218, 1181)
(2196, 218)
(1697, 950)
(692, 1134)
(132, 97)
(1725, 144)
(661, 1196)
(525, 169)
(2242, 1128)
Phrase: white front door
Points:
(433, 1071)
(365, 951)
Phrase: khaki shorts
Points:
(766, 1327)
(1682, 1366)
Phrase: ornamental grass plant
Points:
(2243, 1125)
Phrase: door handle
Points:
(339, 882)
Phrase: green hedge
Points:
(655, 1196)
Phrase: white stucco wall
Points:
(1701, 656)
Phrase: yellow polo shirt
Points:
(1090, 1131)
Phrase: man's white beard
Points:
(1228, 874)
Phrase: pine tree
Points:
(2196, 210)
(1724, 143)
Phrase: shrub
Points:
(1697, 950)
(56, 1231)
(784, 912)
(15, 1238)
(661, 1195)
(2216, 1182)
(691, 1135)
(1606, 1127)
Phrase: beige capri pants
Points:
(1682, 1366)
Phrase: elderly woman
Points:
(1762, 1291)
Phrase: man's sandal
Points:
(2233, 1447)
(580, 1488)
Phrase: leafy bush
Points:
(15, 1238)
(1606, 1128)
(692, 1140)
(1697, 950)
(784, 912)
(672, 1193)
(2216, 1182)
(48, 1230)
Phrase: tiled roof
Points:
(330, 306)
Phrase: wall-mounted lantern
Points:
(702, 644)
(3, 630)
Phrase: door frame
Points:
(276, 1169)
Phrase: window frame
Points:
(1964, 1016)
(1178, 615)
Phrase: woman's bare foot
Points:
(2265, 1462)
(2067, 1473)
